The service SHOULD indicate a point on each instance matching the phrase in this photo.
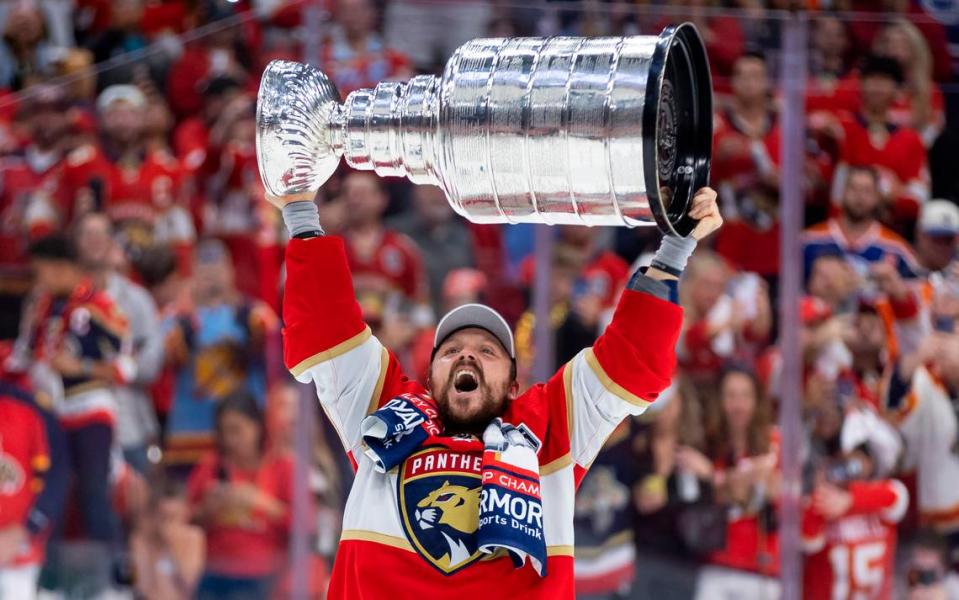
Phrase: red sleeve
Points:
(319, 307)
(812, 527)
(878, 496)
(637, 350)
(905, 308)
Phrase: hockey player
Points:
(464, 487)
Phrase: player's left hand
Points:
(705, 209)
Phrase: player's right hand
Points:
(706, 211)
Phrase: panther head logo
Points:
(456, 506)
(439, 497)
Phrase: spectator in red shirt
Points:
(849, 523)
(832, 86)
(138, 188)
(240, 495)
(191, 138)
(746, 124)
(829, 57)
(724, 317)
(28, 178)
(745, 157)
(354, 56)
(871, 138)
(381, 259)
(744, 456)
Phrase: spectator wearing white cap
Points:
(138, 187)
(936, 234)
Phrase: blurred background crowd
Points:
(149, 444)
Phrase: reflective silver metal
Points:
(561, 130)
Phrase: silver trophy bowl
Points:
(559, 130)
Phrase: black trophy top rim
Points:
(677, 127)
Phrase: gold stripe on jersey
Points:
(378, 390)
(330, 354)
(379, 538)
(556, 464)
(611, 386)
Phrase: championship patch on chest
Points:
(439, 498)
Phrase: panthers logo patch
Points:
(439, 495)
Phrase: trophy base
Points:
(677, 127)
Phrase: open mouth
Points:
(465, 380)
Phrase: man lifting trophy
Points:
(464, 483)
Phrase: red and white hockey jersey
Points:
(385, 550)
(853, 557)
(928, 421)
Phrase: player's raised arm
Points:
(633, 361)
(326, 340)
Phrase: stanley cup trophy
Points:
(559, 130)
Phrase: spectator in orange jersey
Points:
(856, 232)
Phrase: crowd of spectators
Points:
(146, 420)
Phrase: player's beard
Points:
(493, 403)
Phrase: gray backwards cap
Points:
(475, 315)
